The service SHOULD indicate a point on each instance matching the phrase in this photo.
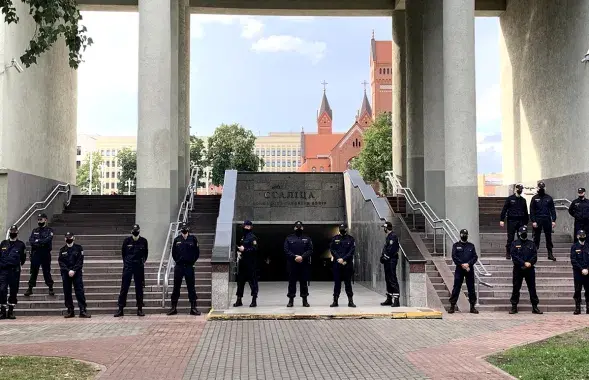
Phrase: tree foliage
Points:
(232, 147)
(83, 174)
(53, 18)
(376, 156)
(128, 162)
(198, 157)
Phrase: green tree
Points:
(198, 156)
(375, 158)
(128, 162)
(83, 174)
(54, 18)
(232, 148)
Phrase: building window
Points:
(321, 169)
(294, 163)
(288, 164)
(283, 164)
(112, 175)
(79, 150)
(78, 164)
(107, 185)
(273, 152)
(108, 163)
(284, 152)
(313, 169)
(107, 174)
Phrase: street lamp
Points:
(129, 183)
(91, 169)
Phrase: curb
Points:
(221, 316)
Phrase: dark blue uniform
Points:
(464, 253)
(523, 251)
(185, 253)
(389, 258)
(543, 213)
(246, 265)
(134, 254)
(580, 261)
(515, 210)
(298, 246)
(12, 257)
(579, 209)
(41, 241)
(72, 259)
(343, 247)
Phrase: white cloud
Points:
(489, 105)
(314, 50)
(251, 26)
(297, 18)
(489, 142)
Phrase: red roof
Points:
(317, 145)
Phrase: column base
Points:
(153, 215)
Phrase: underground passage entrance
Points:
(271, 257)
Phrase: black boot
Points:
(452, 309)
(70, 313)
(140, 312)
(173, 310)
(351, 302)
(577, 308)
(290, 302)
(305, 303)
(51, 292)
(238, 303)
(507, 255)
(396, 302)
(3, 312)
(388, 301)
(334, 303)
(535, 310)
(254, 302)
(551, 256)
(10, 314)
(513, 309)
(119, 313)
(193, 309)
(29, 292)
(473, 310)
(84, 313)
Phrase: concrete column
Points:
(399, 112)
(462, 204)
(182, 93)
(174, 108)
(153, 138)
(433, 107)
(414, 85)
(186, 105)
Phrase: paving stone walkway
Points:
(184, 347)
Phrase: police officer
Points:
(524, 255)
(342, 248)
(543, 215)
(298, 249)
(12, 257)
(41, 241)
(579, 209)
(515, 210)
(389, 259)
(246, 264)
(185, 252)
(71, 262)
(135, 252)
(464, 255)
(580, 263)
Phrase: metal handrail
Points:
(44, 204)
(182, 217)
(566, 205)
(436, 223)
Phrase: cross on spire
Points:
(365, 84)
(324, 83)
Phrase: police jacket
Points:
(542, 206)
(185, 251)
(343, 247)
(12, 254)
(523, 251)
(134, 251)
(41, 239)
(390, 249)
(298, 246)
(71, 258)
(515, 208)
(250, 246)
(579, 209)
(580, 256)
(464, 253)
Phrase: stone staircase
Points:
(100, 224)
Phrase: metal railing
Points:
(448, 228)
(43, 205)
(562, 203)
(167, 262)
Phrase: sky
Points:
(265, 73)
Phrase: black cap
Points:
(464, 231)
(298, 223)
(581, 233)
(388, 226)
(42, 215)
(522, 229)
(519, 186)
(136, 227)
(69, 235)
(248, 223)
(343, 225)
(13, 228)
(184, 226)
(581, 190)
(541, 185)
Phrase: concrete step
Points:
(202, 301)
(152, 295)
(200, 278)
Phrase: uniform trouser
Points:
(512, 226)
(342, 273)
(9, 278)
(78, 283)
(581, 224)
(529, 275)
(43, 260)
(246, 273)
(135, 271)
(142, 274)
(459, 276)
(297, 272)
(546, 225)
(390, 277)
(184, 272)
(580, 283)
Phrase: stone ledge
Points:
(223, 315)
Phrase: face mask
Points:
(342, 231)
(523, 235)
(518, 192)
(541, 191)
(581, 196)
(582, 240)
(298, 232)
(246, 230)
(13, 235)
(41, 224)
(464, 237)
(135, 233)
(69, 241)
(184, 232)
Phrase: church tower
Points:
(381, 76)
(364, 118)
(324, 116)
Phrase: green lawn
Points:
(563, 357)
(40, 368)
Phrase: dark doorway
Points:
(271, 258)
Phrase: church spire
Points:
(365, 109)
(325, 103)
(325, 115)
